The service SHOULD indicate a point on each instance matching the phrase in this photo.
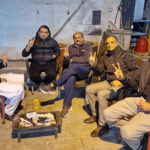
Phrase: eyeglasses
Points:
(110, 43)
(44, 32)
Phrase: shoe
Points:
(95, 132)
(104, 129)
(90, 120)
(46, 89)
(53, 86)
(100, 130)
(65, 111)
(10, 118)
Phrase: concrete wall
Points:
(20, 19)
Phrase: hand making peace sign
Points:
(92, 58)
(66, 53)
(118, 72)
(5, 58)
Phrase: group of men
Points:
(121, 71)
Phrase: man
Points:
(77, 56)
(109, 88)
(11, 87)
(44, 51)
(132, 130)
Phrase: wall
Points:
(20, 20)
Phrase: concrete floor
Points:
(75, 133)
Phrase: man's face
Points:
(43, 33)
(111, 43)
(78, 39)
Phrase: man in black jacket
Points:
(44, 51)
(109, 88)
(132, 131)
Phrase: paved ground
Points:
(75, 134)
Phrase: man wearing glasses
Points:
(109, 88)
(44, 51)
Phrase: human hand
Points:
(30, 44)
(4, 80)
(144, 106)
(5, 58)
(66, 53)
(92, 58)
(118, 72)
(54, 56)
(116, 83)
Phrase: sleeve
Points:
(85, 57)
(133, 78)
(130, 63)
(24, 53)
(100, 67)
(57, 49)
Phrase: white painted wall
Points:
(20, 20)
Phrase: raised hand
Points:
(5, 58)
(66, 53)
(92, 58)
(4, 80)
(118, 72)
(30, 44)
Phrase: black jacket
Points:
(43, 50)
(124, 58)
(79, 54)
(141, 79)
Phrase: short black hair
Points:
(78, 33)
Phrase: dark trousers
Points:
(49, 69)
(74, 73)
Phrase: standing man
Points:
(44, 51)
(12, 88)
(77, 56)
(132, 131)
(109, 88)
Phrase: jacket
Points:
(43, 50)
(124, 58)
(141, 79)
(79, 54)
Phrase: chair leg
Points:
(32, 89)
(148, 144)
(3, 109)
(59, 92)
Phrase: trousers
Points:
(101, 92)
(74, 73)
(132, 131)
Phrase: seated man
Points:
(44, 50)
(77, 56)
(12, 88)
(132, 130)
(110, 88)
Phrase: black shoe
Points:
(90, 120)
(65, 111)
(104, 129)
(10, 118)
(100, 130)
